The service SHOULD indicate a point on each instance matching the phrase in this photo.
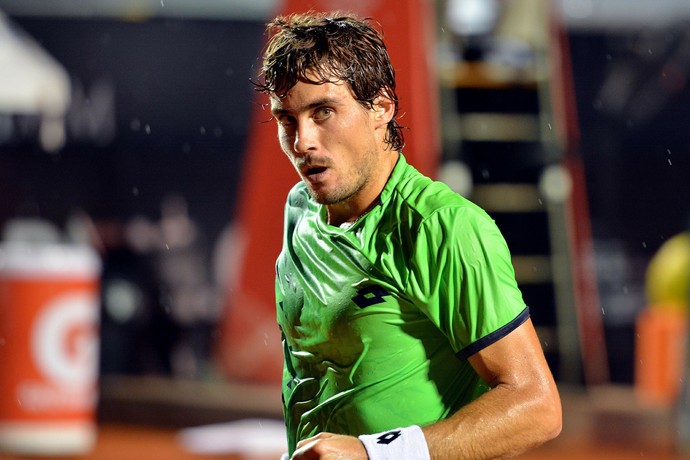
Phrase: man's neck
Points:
(352, 210)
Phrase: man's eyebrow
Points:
(312, 105)
(275, 111)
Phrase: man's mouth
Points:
(315, 173)
(315, 170)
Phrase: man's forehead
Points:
(305, 94)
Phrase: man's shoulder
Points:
(426, 196)
(298, 196)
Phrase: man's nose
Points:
(305, 137)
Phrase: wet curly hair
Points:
(330, 47)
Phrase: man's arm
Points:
(521, 411)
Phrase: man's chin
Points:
(323, 197)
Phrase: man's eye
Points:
(285, 121)
(322, 113)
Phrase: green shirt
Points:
(378, 318)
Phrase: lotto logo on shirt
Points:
(370, 295)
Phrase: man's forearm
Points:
(502, 423)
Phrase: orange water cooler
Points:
(49, 308)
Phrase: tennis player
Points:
(404, 332)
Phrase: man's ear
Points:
(384, 109)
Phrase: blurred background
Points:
(131, 128)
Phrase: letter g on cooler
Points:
(64, 344)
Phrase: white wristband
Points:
(399, 444)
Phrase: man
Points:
(405, 335)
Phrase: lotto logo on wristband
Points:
(410, 444)
(387, 438)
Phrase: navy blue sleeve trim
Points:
(494, 336)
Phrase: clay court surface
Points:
(607, 423)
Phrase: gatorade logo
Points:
(64, 342)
